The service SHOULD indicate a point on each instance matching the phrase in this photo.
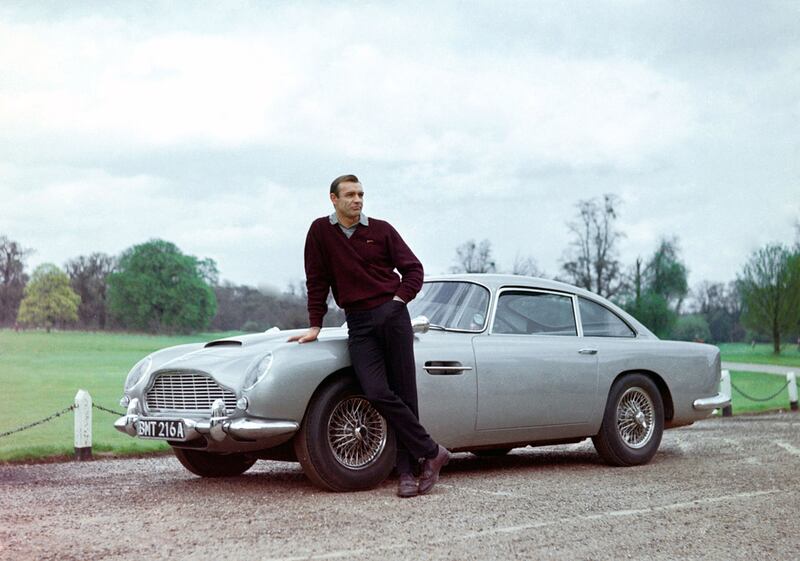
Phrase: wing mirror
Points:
(420, 324)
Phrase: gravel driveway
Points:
(720, 489)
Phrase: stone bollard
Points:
(792, 385)
(725, 388)
(83, 426)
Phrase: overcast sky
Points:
(220, 125)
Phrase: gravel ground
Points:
(720, 489)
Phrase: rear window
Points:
(599, 321)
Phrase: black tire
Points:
(491, 452)
(207, 464)
(633, 422)
(337, 455)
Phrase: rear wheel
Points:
(633, 422)
(344, 444)
(207, 464)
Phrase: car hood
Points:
(228, 359)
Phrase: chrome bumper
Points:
(217, 427)
(708, 403)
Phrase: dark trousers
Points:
(381, 344)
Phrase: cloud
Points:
(103, 82)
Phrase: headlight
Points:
(140, 369)
(257, 371)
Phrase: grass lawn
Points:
(761, 353)
(40, 373)
(758, 385)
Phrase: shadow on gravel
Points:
(529, 459)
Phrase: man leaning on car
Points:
(355, 257)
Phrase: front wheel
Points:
(344, 444)
(633, 422)
(207, 464)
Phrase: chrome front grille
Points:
(187, 391)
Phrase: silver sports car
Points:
(502, 362)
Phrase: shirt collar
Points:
(363, 220)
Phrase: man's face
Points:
(349, 201)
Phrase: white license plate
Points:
(161, 429)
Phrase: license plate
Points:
(161, 429)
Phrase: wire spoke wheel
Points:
(635, 417)
(356, 433)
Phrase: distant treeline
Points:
(154, 287)
(151, 287)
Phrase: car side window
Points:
(541, 313)
(599, 321)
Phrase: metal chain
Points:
(101, 408)
(35, 423)
(751, 398)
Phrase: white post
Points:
(725, 388)
(83, 425)
(792, 380)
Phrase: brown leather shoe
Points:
(407, 487)
(431, 468)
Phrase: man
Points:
(355, 257)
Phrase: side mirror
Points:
(420, 324)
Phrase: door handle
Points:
(588, 351)
(444, 367)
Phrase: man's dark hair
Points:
(342, 179)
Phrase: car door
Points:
(446, 388)
(533, 369)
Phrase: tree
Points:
(48, 300)
(474, 258)
(691, 327)
(666, 274)
(769, 286)
(720, 305)
(654, 312)
(12, 278)
(658, 288)
(89, 278)
(591, 261)
(156, 287)
(250, 309)
(526, 266)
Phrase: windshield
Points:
(452, 305)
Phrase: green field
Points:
(761, 353)
(40, 373)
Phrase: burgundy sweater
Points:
(360, 270)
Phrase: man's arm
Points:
(317, 287)
(407, 264)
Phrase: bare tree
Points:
(526, 266)
(474, 258)
(591, 261)
(88, 276)
(12, 278)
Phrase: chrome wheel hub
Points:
(635, 417)
(356, 433)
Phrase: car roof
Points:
(494, 281)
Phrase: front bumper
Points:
(708, 403)
(218, 426)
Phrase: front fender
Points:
(297, 371)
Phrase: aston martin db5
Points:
(502, 362)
